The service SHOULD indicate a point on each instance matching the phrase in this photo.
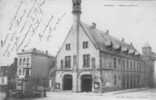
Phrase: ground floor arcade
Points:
(82, 82)
(95, 81)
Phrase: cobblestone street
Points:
(130, 94)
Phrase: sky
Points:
(133, 20)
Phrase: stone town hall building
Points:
(93, 60)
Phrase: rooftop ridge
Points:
(101, 38)
(35, 51)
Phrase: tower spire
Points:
(76, 6)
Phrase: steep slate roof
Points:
(101, 40)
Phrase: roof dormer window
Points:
(68, 47)
(85, 44)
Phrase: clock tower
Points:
(76, 11)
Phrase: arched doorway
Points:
(67, 82)
(86, 83)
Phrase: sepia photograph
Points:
(77, 49)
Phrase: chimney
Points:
(107, 32)
(147, 49)
(93, 25)
(46, 52)
(34, 49)
(131, 44)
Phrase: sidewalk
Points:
(129, 90)
(98, 94)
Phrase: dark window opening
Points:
(127, 64)
(86, 60)
(86, 83)
(85, 44)
(20, 61)
(68, 47)
(61, 64)
(24, 61)
(114, 62)
(115, 81)
(20, 72)
(67, 61)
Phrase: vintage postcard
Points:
(77, 49)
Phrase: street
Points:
(135, 94)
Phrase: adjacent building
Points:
(8, 76)
(33, 65)
(12, 70)
(149, 58)
(3, 77)
(93, 60)
(52, 75)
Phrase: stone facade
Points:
(93, 60)
(91, 50)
